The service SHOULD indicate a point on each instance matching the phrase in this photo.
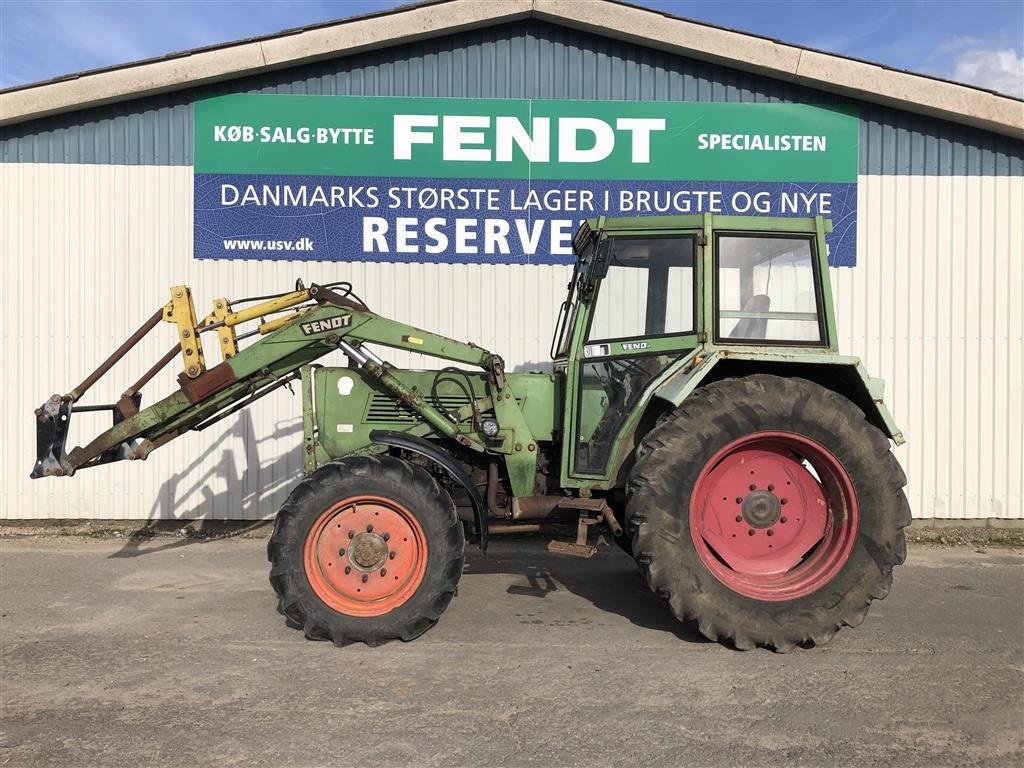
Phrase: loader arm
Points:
(320, 320)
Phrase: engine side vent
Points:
(384, 409)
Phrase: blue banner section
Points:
(483, 221)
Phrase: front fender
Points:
(442, 458)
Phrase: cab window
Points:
(767, 290)
(647, 290)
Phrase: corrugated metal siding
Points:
(934, 306)
(92, 250)
(530, 60)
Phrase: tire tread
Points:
(296, 599)
(706, 420)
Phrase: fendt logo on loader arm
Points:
(329, 324)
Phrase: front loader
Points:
(698, 411)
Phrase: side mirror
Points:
(602, 260)
(594, 266)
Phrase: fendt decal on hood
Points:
(328, 324)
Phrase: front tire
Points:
(768, 511)
(366, 549)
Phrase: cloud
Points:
(992, 64)
(955, 44)
(1000, 70)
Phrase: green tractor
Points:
(697, 410)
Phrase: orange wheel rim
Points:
(365, 556)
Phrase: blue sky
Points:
(977, 41)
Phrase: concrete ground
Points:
(170, 652)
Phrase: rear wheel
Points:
(768, 510)
(366, 549)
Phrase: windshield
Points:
(646, 289)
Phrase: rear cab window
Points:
(767, 290)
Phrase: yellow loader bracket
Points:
(54, 416)
(182, 312)
(226, 333)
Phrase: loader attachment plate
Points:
(52, 419)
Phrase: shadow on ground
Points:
(251, 487)
(610, 581)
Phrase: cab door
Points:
(640, 318)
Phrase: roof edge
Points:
(861, 80)
(189, 69)
(217, 46)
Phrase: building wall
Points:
(97, 223)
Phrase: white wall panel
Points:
(89, 252)
(935, 306)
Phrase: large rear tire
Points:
(768, 511)
(366, 549)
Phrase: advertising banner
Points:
(351, 178)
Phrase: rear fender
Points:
(844, 375)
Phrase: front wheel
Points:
(366, 549)
(768, 510)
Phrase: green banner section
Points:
(355, 136)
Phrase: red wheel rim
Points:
(365, 556)
(774, 515)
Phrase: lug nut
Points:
(351, 534)
(771, 487)
(739, 518)
(752, 487)
(365, 578)
(782, 519)
(383, 571)
(750, 532)
(369, 529)
(391, 555)
(739, 499)
(348, 569)
(341, 552)
(771, 532)
(385, 536)
(783, 501)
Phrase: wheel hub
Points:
(774, 515)
(761, 509)
(365, 555)
(369, 551)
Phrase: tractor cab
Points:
(649, 295)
